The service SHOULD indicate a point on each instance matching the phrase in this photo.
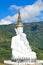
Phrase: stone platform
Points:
(9, 62)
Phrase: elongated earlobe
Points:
(16, 30)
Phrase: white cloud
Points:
(6, 21)
(12, 7)
(28, 13)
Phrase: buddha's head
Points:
(19, 30)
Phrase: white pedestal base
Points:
(9, 62)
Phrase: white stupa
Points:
(20, 45)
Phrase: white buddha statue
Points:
(20, 45)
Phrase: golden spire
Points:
(19, 17)
(19, 22)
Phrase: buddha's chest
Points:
(18, 41)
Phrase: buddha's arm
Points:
(23, 37)
(11, 43)
(26, 42)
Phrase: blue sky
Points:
(5, 4)
(9, 10)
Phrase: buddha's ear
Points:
(16, 29)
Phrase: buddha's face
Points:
(19, 30)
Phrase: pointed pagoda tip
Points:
(18, 10)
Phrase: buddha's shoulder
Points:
(14, 37)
